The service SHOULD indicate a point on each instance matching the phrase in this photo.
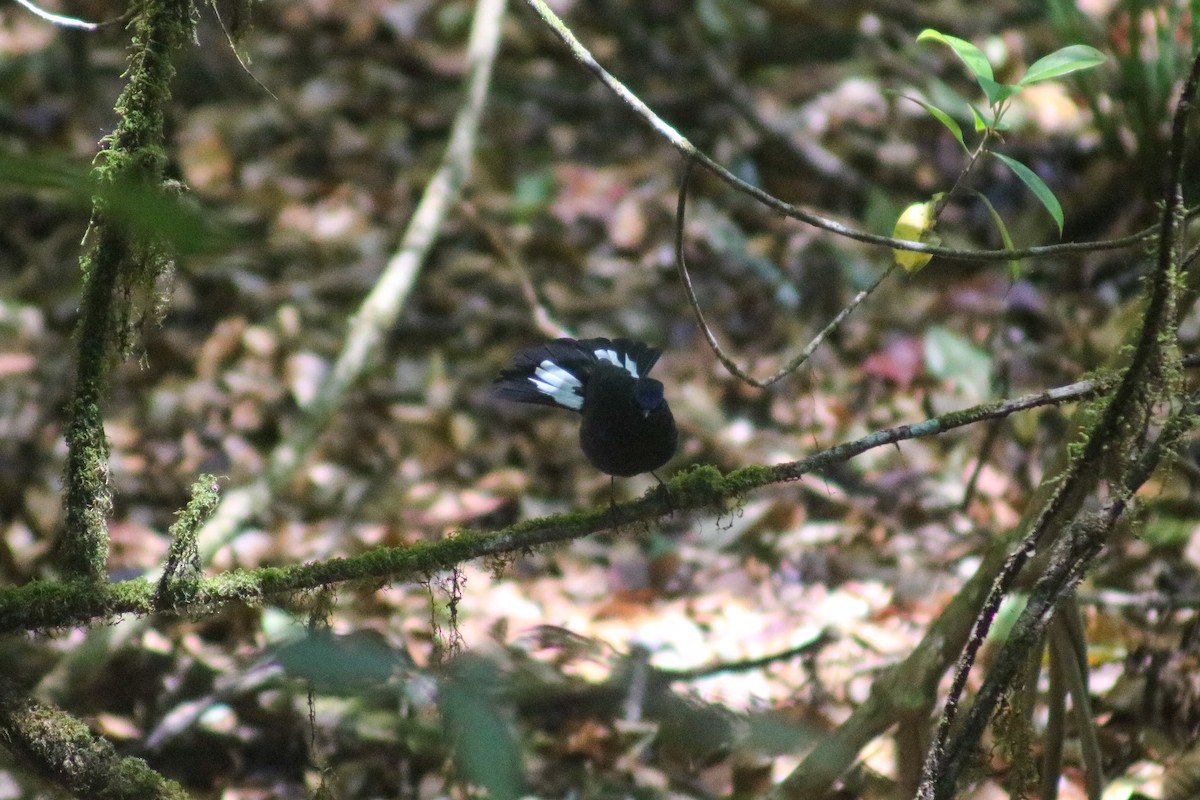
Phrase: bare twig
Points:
(692, 153)
(808, 650)
(229, 38)
(694, 302)
(541, 317)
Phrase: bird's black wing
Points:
(549, 374)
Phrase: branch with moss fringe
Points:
(116, 268)
(183, 565)
(42, 605)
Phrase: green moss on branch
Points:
(116, 269)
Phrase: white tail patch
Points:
(558, 384)
(614, 358)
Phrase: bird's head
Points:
(648, 395)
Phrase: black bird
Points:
(627, 426)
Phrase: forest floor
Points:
(308, 146)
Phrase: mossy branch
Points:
(43, 605)
(1150, 380)
(183, 565)
(115, 269)
(61, 749)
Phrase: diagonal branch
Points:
(63, 750)
(41, 605)
(58, 19)
(387, 299)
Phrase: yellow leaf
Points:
(914, 225)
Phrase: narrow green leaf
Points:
(1007, 615)
(942, 117)
(981, 124)
(971, 55)
(1037, 186)
(144, 210)
(1014, 265)
(1062, 62)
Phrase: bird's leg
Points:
(665, 492)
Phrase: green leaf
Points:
(951, 357)
(1166, 532)
(997, 93)
(1037, 186)
(971, 55)
(339, 663)
(1062, 62)
(1014, 266)
(1006, 616)
(532, 193)
(977, 63)
(981, 124)
(486, 753)
(142, 210)
(942, 117)
(152, 212)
